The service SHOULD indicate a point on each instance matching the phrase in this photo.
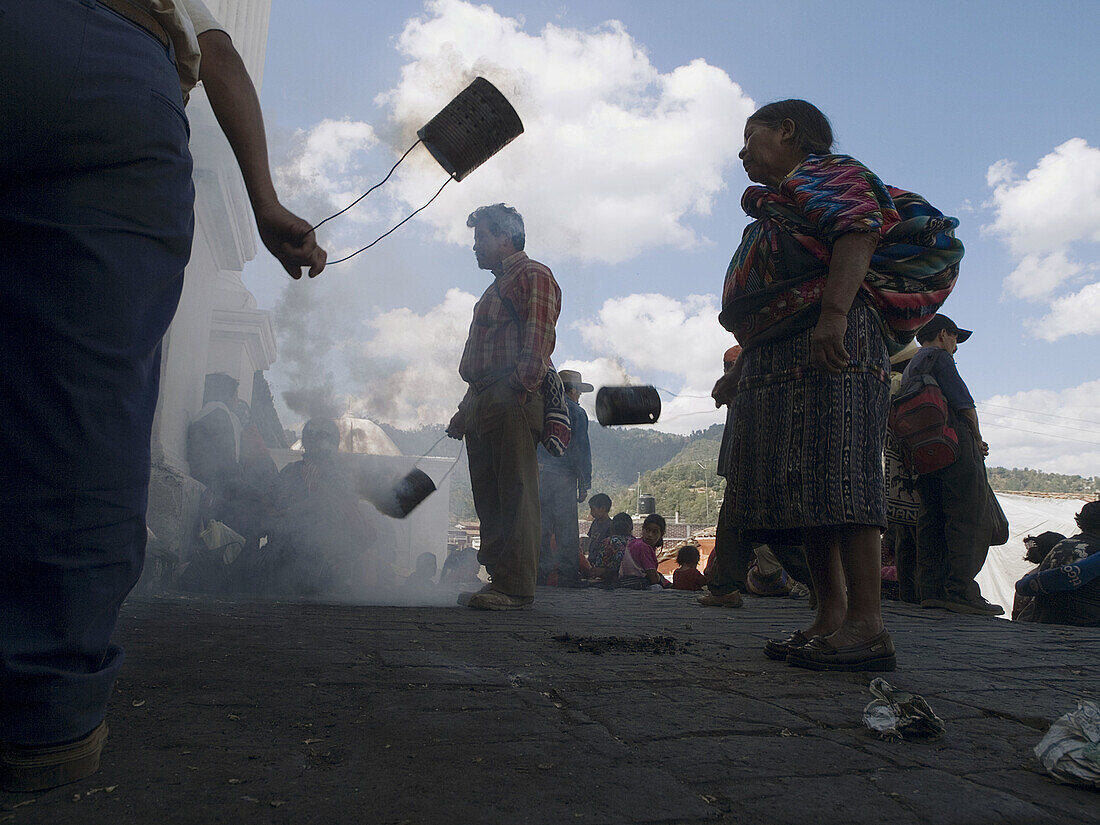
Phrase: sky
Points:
(628, 178)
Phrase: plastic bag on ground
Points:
(895, 714)
(1070, 751)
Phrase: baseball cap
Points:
(939, 323)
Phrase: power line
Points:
(1090, 431)
(1036, 412)
(1047, 435)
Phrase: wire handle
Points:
(350, 205)
(409, 217)
(458, 457)
(429, 450)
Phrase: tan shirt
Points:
(184, 20)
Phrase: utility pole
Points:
(706, 488)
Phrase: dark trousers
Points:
(501, 434)
(733, 555)
(95, 221)
(954, 526)
(558, 504)
(904, 537)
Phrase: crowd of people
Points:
(834, 275)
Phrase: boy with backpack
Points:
(955, 523)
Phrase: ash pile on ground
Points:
(598, 645)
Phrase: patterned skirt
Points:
(806, 447)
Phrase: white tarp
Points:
(1027, 516)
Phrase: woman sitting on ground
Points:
(1036, 549)
(1066, 586)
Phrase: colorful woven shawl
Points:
(777, 275)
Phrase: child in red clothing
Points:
(687, 575)
(638, 569)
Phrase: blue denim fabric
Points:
(95, 223)
(558, 505)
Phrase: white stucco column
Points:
(218, 327)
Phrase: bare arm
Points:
(847, 269)
(725, 388)
(970, 416)
(237, 108)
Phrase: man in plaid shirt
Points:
(504, 362)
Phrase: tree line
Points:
(679, 471)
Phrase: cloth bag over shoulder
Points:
(556, 429)
(1000, 532)
(921, 422)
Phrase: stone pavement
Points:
(594, 707)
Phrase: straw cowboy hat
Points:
(904, 355)
(572, 378)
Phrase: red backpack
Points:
(921, 422)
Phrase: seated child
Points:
(1036, 549)
(461, 567)
(606, 562)
(423, 577)
(687, 575)
(638, 569)
(598, 507)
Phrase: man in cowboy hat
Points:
(954, 524)
(563, 482)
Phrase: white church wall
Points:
(218, 327)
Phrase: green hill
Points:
(669, 468)
(1036, 481)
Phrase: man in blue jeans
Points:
(96, 223)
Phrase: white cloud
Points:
(658, 333)
(1055, 205)
(402, 366)
(323, 168)
(662, 340)
(1050, 220)
(615, 154)
(1077, 314)
(1037, 276)
(406, 372)
(1055, 431)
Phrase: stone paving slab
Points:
(594, 707)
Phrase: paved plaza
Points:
(593, 707)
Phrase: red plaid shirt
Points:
(495, 345)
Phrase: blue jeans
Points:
(558, 503)
(96, 223)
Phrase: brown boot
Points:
(25, 768)
(732, 599)
(495, 600)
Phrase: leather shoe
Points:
(875, 654)
(732, 599)
(779, 648)
(980, 607)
